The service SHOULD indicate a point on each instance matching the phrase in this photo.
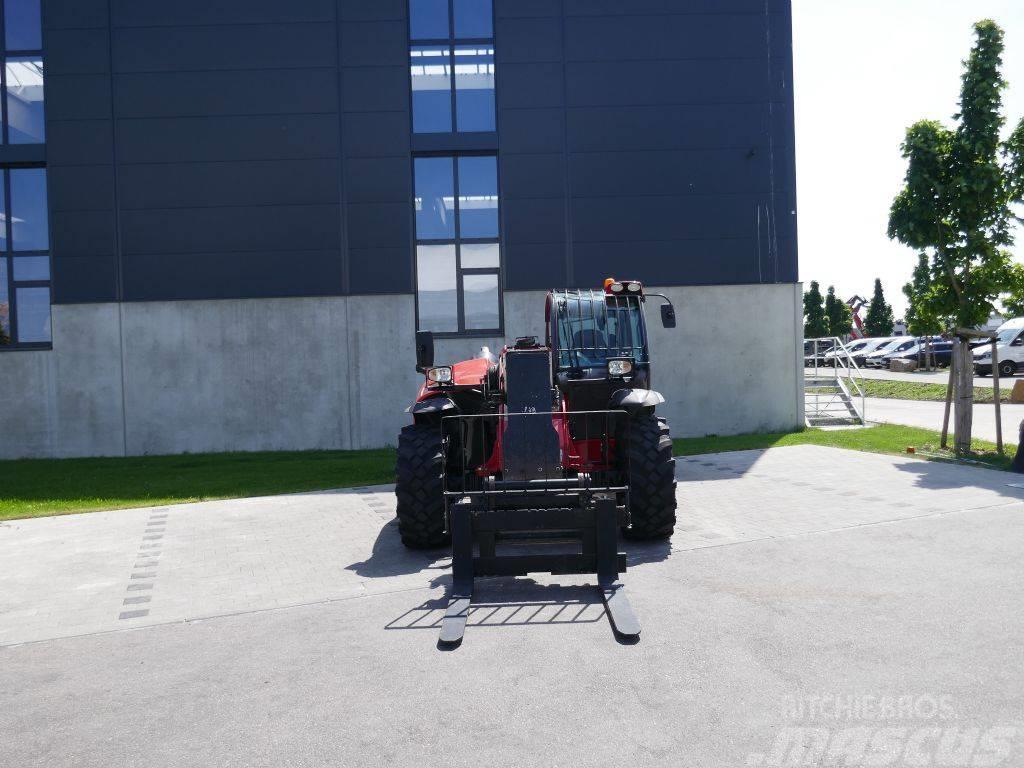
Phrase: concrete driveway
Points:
(814, 605)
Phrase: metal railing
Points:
(833, 382)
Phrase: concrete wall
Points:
(337, 372)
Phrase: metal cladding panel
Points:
(227, 137)
(80, 188)
(229, 230)
(243, 46)
(655, 133)
(234, 183)
(226, 92)
(670, 124)
(84, 279)
(261, 274)
(83, 233)
(147, 13)
(77, 97)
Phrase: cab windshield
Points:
(592, 327)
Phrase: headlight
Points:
(619, 367)
(984, 355)
(633, 287)
(615, 287)
(441, 375)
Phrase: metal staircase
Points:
(833, 384)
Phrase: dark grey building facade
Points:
(239, 212)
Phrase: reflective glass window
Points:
(29, 268)
(25, 100)
(473, 19)
(435, 198)
(479, 255)
(22, 25)
(33, 315)
(428, 19)
(480, 299)
(478, 197)
(29, 221)
(430, 71)
(436, 291)
(458, 259)
(5, 307)
(474, 88)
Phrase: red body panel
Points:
(577, 455)
(468, 373)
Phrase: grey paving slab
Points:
(778, 616)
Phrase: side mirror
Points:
(424, 350)
(668, 316)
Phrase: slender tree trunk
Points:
(963, 396)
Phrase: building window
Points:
(451, 64)
(458, 259)
(22, 73)
(25, 259)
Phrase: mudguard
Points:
(432, 409)
(633, 400)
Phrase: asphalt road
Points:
(820, 608)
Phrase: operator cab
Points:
(598, 342)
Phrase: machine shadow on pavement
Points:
(390, 558)
(506, 601)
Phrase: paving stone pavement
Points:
(108, 571)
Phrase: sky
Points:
(864, 70)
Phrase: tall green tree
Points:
(960, 186)
(922, 317)
(1013, 302)
(815, 324)
(838, 316)
(879, 320)
(957, 203)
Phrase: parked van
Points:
(1009, 347)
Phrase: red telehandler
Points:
(551, 441)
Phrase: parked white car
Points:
(1009, 347)
(877, 359)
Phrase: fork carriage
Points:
(541, 504)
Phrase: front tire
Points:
(1007, 368)
(420, 487)
(652, 479)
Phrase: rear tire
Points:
(420, 487)
(652, 479)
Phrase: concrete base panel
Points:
(338, 372)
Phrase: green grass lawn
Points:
(37, 488)
(34, 488)
(919, 390)
(892, 439)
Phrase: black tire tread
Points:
(652, 479)
(420, 487)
